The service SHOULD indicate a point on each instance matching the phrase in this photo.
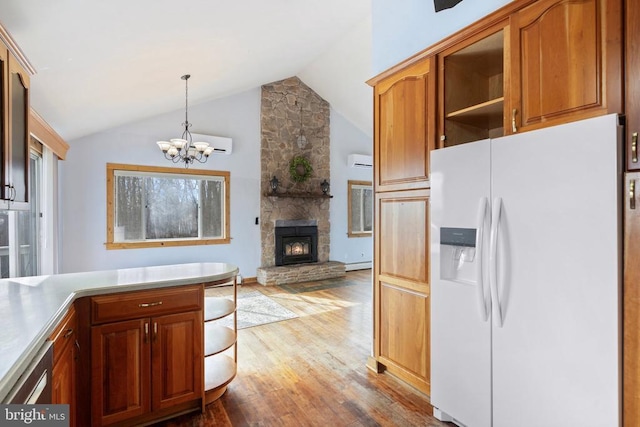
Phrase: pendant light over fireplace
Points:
(302, 139)
(183, 149)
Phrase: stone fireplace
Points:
(289, 109)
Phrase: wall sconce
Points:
(274, 184)
(325, 186)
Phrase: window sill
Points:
(165, 243)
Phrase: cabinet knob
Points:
(632, 194)
(514, 128)
(634, 147)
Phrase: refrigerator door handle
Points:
(496, 212)
(483, 307)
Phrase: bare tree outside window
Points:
(360, 208)
(166, 206)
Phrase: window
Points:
(158, 206)
(20, 230)
(360, 208)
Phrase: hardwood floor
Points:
(310, 371)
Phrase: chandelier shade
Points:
(184, 149)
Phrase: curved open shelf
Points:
(217, 338)
(219, 371)
(217, 308)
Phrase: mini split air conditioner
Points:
(220, 144)
(360, 161)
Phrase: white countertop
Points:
(31, 307)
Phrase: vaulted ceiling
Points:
(103, 63)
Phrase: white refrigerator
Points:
(526, 278)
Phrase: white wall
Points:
(402, 28)
(83, 186)
(349, 61)
(345, 140)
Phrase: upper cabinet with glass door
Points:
(472, 88)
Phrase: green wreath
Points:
(300, 169)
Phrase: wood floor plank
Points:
(310, 370)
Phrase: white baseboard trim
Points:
(358, 266)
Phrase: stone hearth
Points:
(271, 276)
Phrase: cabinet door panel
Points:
(404, 332)
(566, 54)
(632, 84)
(403, 225)
(120, 371)
(64, 339)
(404, 127)
(19, 135)
(631, 337)
(401, 285)
(63, 390)
(177, 358)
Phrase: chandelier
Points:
(183, 149)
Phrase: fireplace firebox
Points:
(296, 242)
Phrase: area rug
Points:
(255, 308)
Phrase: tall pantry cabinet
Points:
(404, 129)
(528, 65)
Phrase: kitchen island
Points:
(32, 307)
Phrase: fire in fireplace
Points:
(296, 241)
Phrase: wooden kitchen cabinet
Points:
(121, 371)
(14, 131)
(566, 62)
(529, 64)
(401, 286)
(404, 135)
(631, 302)
(64, 338)
(632, 83)
(176, 359)
(149, 364)
(18, 165)
(404, 127)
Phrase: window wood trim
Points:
(350, 184)
(110, 244)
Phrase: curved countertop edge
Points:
(102, 282)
